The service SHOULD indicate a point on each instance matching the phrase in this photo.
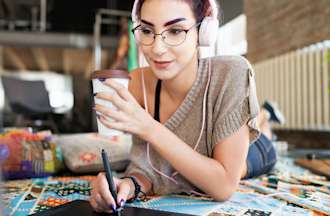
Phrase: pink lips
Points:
(162, 64)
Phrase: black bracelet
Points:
(137, 188)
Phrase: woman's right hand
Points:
(101, 198)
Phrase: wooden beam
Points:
(1, 59)
(40, 59)
(89, 65)
(66, 61)
(16, 59)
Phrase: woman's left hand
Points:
(130, 116)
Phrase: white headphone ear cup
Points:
(134, 12)
(208, 31)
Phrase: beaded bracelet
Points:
(137, 188)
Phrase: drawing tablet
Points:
(83, 208)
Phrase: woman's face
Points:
(167, 61)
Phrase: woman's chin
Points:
(163, 74)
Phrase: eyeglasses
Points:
(171, 37)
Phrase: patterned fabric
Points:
(24, 197)
(289, 190)
(82, 151)
(28, 155)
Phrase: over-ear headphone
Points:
(208, 27)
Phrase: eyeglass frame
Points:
(163, 38)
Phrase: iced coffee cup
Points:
(98, 80)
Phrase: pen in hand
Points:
(108, 175)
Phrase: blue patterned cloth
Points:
(286, 183)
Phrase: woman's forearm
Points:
(205, 173)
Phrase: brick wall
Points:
(275, 27)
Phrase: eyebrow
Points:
(171, 22)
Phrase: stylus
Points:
(108, 174)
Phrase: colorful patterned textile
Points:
(28, 155)
(289, 190)
(82, 152)
(24, 197)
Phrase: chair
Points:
(30, 101)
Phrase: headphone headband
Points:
(134, 11)
(212, 3)
(208, 28)
(214, 9)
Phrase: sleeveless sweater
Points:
(231, 102)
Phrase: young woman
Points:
(194, 121)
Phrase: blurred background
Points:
(48, 48)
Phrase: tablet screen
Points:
(83, 208)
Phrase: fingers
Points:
(121, 92)
(101, 196)
(101, 199)
(120, 89)
(124, 190)
(114, 98)
(93, 203)
(98, 204)
(113, 114)
(105, 192)
(113, 125)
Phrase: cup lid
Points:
(110, 73)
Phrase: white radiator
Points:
(299, 83)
